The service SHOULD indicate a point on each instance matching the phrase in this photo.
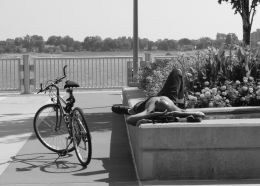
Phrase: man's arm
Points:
(133, 119)
(184, 113)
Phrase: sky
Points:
(158, 19)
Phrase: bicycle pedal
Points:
(61, 154)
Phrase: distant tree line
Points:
(57, 44)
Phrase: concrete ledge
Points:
(212, 149)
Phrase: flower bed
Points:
(213, 78)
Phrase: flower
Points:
(245, 79)
(244, 88)
(202, 96)
(206, 83)
(251, 78)
(243, 99)
(214, 91)
(223, 88)
(238, 82)
(207, 94)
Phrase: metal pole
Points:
(135, 42)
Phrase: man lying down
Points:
(165, 105)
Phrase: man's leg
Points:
(173, 87)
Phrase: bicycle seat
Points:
(70, 84)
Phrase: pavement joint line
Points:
(132, 154)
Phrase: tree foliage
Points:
(57, 44)
(247, 11)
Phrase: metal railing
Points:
(10, 76)
(164, 58)
(90, 72)
(26, 73)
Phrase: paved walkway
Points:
(24, 161)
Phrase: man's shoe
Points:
(120, 109)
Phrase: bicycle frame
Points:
(64, 113)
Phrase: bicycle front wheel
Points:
(51, 130)
(81, 137)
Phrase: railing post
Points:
(131, 80)
(148, 57)
(26, 74)
(129, 72)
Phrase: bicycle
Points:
(60, 127)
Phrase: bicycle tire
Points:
(45, 122)
(81, 137)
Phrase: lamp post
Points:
(135, 41)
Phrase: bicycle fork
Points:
(68, 139)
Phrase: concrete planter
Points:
(213, 149)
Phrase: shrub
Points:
(213, 78)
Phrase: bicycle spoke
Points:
(81, 137)
(51, 129)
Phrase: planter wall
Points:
(212, 149)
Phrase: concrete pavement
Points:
(24, 160)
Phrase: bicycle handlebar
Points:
(58, 80)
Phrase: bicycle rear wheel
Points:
(81, 137)
(51, 130)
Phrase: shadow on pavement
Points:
(111, 161)
(15, 128)
(119, 164)
(46, 162)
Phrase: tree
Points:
(27, 43)
(18, 41)
(92, 43)
(231, 39)
(247, 11)
(54, 40)
(37, 42)
(184, 41)
(109, 44)
(204, 42)
(68, 42)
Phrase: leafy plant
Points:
(213, 78)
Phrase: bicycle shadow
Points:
(45, 162)
(116, 164)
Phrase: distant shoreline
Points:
(93, 54)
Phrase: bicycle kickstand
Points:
(64, 152)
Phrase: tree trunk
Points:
(246, 22)
(246, 33)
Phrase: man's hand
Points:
(154, 114)
(142, 121)
(184, 114)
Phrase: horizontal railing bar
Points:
(94, 57)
